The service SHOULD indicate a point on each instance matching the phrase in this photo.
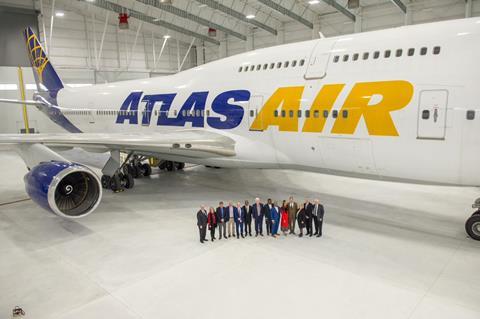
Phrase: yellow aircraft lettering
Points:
(323, 102)
(395, 96)
(289, 100)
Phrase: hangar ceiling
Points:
(234, 18)
(238, 26)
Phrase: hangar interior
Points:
(389, 250)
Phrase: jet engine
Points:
(68, 190)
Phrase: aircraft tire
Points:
(472, 227)
(162, 165)
(128, 169)
(136, 171)
(146, 169)
(105, 181)
(128, 181)
(476, 213)
(179, 165)
(169, 165)
(115, 183)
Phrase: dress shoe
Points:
(205, 239)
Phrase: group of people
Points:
(236, 220)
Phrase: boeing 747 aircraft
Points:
(398, 104)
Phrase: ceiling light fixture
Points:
(59, 14)
(250, 16)
(314, 2)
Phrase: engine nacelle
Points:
(69, 190)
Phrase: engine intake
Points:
(69, 190)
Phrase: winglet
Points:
(45, 75)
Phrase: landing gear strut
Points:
(472, 226)
(120, 177)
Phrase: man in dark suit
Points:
(318, 212)
(308, 217)
(247, 210)
(222, 220)
(257, 212)
(239, 216)
(268, 216)
(202, 220)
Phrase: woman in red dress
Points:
(284, 218)
(212, 222)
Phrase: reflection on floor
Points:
(390, 250)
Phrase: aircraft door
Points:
(91, 113)
(317, 65)
(254, 107)
(432, 114)
(91, 116)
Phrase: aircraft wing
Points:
(186, 143)
(26, 102)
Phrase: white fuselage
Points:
(435, 142)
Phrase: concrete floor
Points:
(390, 250)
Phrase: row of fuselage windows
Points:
(201, 113)
(386, 54)
(272, 65)
(134, 113)
(470, 114)
(309, 113)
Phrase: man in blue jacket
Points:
(222, 220)
(257, 212)
(239, 216)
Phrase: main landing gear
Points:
(171, 166)
(119, 177)
(472, 226)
